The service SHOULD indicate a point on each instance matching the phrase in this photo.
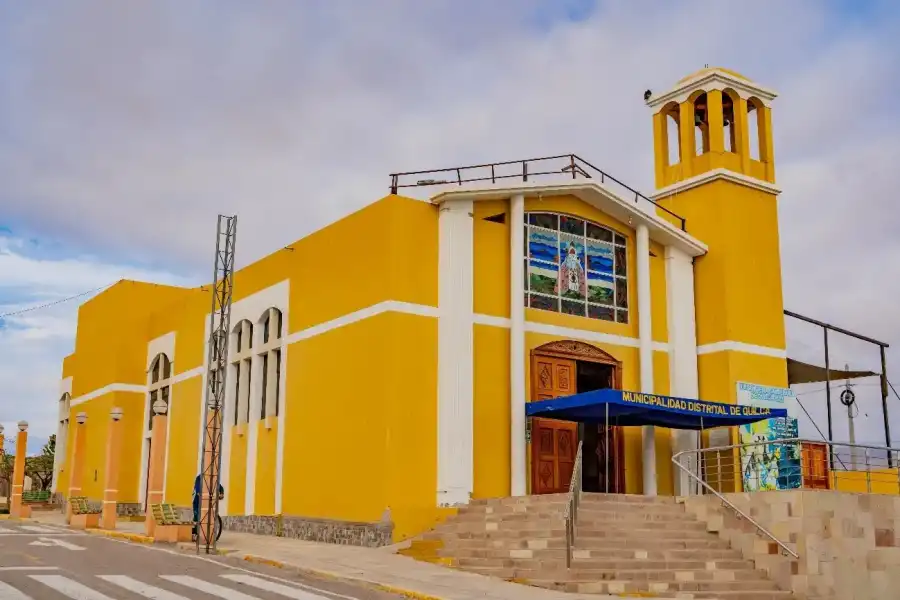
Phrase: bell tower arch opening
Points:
(722, 119)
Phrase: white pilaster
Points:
(517, 344)
(645, 341)
(682, 351)
(455, 473)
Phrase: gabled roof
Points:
(597, 195)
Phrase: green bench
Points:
(168, 524)
(36, 497)
(80, 506)
(84, 516)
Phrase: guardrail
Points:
(789, 464)
(572, 165)
(572, 505)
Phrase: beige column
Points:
(78, 449)
(156, 474)
(16, 510)
(113, 450)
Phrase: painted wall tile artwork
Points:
(575, 267)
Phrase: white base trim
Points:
(732, 346)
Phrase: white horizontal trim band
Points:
(732, 346)
(409, 308)
(582, 334)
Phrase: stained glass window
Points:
(575, 267)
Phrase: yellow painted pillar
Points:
(16, 510)
(78, 450)
(156, 472)
(687, 140)
(111, 491)
(716, 121)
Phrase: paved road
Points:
(41, 562)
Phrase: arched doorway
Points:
(564, 368)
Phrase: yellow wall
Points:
(361, 397)
(184, 432)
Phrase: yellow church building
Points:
(363, 410)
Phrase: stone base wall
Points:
(315, 530)
(848, 544)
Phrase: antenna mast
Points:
(213, 402)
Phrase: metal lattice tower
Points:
(219, 326)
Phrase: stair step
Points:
(592, 543)
(628, 588)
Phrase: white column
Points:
(645, 340)
(682, 352)
(455, 472)
(517, 345)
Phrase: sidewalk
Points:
(384, 569)
(378, 567)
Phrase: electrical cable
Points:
(55, 302)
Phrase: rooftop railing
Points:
(569, 165)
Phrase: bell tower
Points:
(715, 167)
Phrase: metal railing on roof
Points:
(573, 165)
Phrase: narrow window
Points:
(265, 380)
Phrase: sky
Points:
(125, 128)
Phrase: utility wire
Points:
(55, 302)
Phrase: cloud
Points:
(34, 342)
(127, 127)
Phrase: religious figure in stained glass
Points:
(575, 267)
(571, 278)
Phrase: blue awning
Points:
(633, 408)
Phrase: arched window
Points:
(575, 267)
(62, 432)
(673, 135)
(269, 352)
(701, 125)
(241, 364)
(159, 386)
(728, 104)
(754, 128)
(64, 407)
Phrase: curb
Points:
(121, 535)
(252, 558)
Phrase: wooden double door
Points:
(554, 444)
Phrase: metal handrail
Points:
(572, 505)
(575, 166)
(740, 514)
(799, 474)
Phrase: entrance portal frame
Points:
(577, 351)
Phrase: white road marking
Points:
(224, 565)
(55, 542)
(207, 588)
(140, 588)
(70, 589)
(8, 592)
(271, 586)
(2, 531)
(38, 529)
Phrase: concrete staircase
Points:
(625, 545)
